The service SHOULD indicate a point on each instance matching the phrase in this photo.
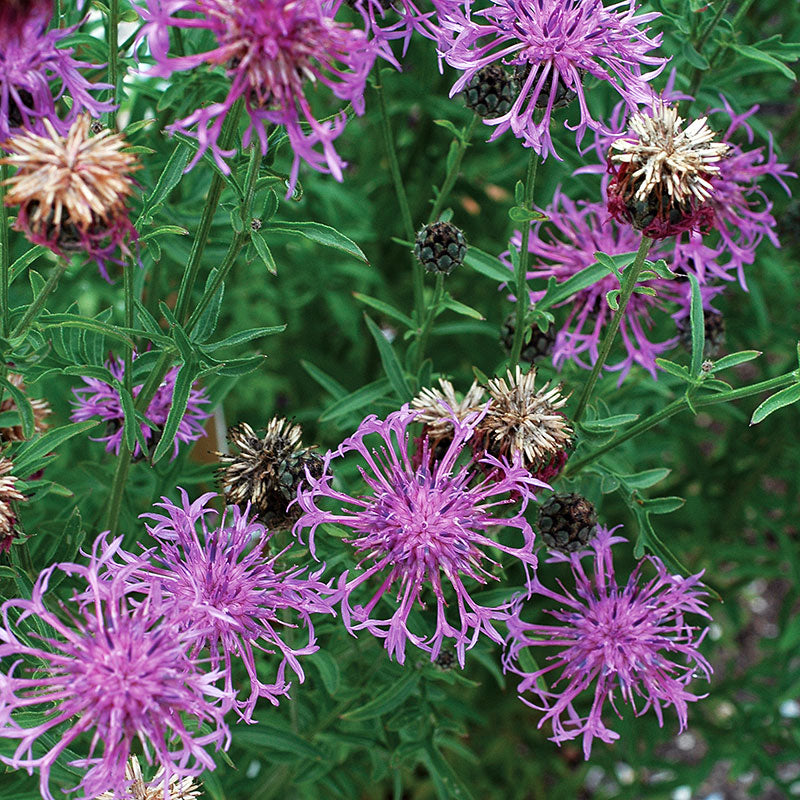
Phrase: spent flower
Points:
(9, 494)
(139, 789)
(40, 408)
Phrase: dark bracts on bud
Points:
(268, 471)
(440, 247)
(538, 348)
(567, 522)
(714, 329)
(491, 92)
(564, 95)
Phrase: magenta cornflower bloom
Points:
(100, 399)
(270, 49)
(565, 244)
(550, 45)
(35, 72)
(107, 672)
(632, 638)
(227, 593)
(418, 525)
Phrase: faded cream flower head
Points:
(437, 407)
(8, 494)
(179, 788)
(523, 419)
(41, 410)
(664, 156)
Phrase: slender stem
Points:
(629, 278)
(5, 255)
(521, 274)
(36, 306)
(430, 315)
(127, 279)
(675, 407)
(455, 168)
(113, 57)
(402, 198)
(189, 276)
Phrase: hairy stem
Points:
(455, 168)
(430, 315)
(113, 57)
(629, 278)
(5, 254)
(521, 273)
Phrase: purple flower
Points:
(15, 13)
(30, 61)
(551, 45)
(420, 528)
(100, 399)
(227, 593)
(105, 671)
(633, 639)
(565, 244)
(269, 49)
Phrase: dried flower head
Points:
(270, 50)
(662, 172)
(139, 789)
(438, 407)
(41, 410)
(267, 471)
(228, 596)
(8, 495)
(427, 534)
(72, 190)
(552, 44)
(109, 668)
(100, 399)
(524, 421)
(633, 639)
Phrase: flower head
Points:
(267, 471)
(228, 595)
(633, 639)
(662, 172)
(100, 399)
(107, 671)
(35, 72)
(270, 50)
(8, 495)
(525, 422)
(418, 529)
(41, 410)
(72, 191)
(551, 45)
(565, 244)
(139, 789)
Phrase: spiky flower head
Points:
(72, 191)
(35, 71)
(567, 522)
(9, 494)
(267, 471)
(662, 172)
(41, 410)
(139, 789)
(228, 595)
(440, 247)
(271, 51)
(491, 92)
(552, 44)
(525, 422)
(424, 534)
(106, 671)
(100, 399)
(632, 639)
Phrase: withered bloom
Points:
(72, 190)
(41, 410)
(139, 789)
(662, 173)
(8, 494)
(525, 420)
(266, 472)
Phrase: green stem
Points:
(36, 306)
(189, 276)
(629, 278)
(127, 288)
(675, 407)
(521, 273)
(5, 255)
(113, 57)
(402, 197)
(455, 168)
(430, 315)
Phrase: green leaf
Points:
(24, 261)
(84, 323)
(522, 214)
(698, 326)
(391, 364)
(519, 193)
(170, 177)
(461, 308)
(163, 230)
(180, 397)
(266, 737)
(646, 478)
(387, 700)
(328, 670)
(328, 383)
(207, 323)
(488, 265)
(693, 57)
(23, 405)
(734, 359)
(765, 58)
(663, 505)
(612, 298)
(230, 179)
(322, 234)
(448, 126)
(32, 455)
(557, 292)
(264, 252)
(356, 400)
(385, 308)
(608, 423)
(785, 397)
(243, 336)
(674, 369)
